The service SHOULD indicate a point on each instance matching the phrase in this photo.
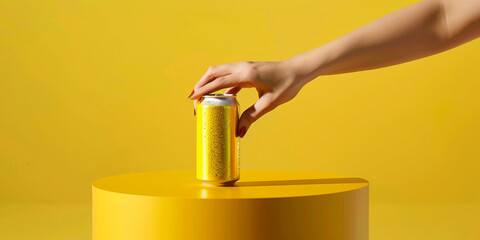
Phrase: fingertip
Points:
(243, 126)
(193, 91)
(195, 96)
(242, 132)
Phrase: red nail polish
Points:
(194, 112)
(242, 132)
(193, 91)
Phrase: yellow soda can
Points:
(217, 142)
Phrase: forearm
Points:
(414, 32)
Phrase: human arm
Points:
(413, 32)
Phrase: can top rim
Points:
(219, 95)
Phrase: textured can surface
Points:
(217, 141)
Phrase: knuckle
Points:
(248, 66)
(211, 68)
(249, 71)
(246, 63)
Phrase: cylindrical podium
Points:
(173, 205)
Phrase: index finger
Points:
(212, 73)
(215, 85)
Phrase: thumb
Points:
(253, 113)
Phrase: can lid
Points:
(219, 95)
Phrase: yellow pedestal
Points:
(173, 205)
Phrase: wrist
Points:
(300, 69)
(314, 63)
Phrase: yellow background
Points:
(94, 88)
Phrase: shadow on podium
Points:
(301, 182)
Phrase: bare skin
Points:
(413, 32)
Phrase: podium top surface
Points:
(253, 184)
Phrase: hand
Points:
(275, 83)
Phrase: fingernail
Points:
(194, 112)
(193, 91)
(242, 132)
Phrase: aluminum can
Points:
(217, 142)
